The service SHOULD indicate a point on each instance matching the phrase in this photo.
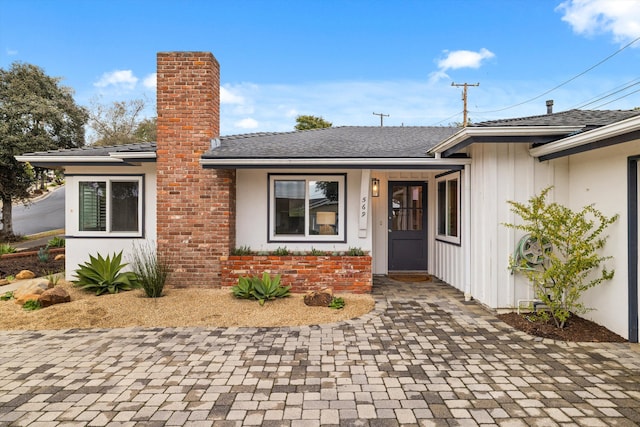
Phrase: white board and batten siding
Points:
(499, 173)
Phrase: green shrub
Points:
(104, 275)
(317, 252)
(356, 252)
(151, 271)
(6, 248)
(56, 242)
(281, 251)
(7, 296)
(53, 278)
(242, 250)
(261, 289)
(337, 303)
(574, 263)
(31, 305)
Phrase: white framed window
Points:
(307, 208)
(448, 207)
(109, 206)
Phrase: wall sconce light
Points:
(375, 187)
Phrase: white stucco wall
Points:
(600, 177)
(78, 249)
(252, 213)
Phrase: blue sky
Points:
(342, 60)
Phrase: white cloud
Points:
(460, 59)
(621, 18)
(227, 96)
(150, 82)
(11, 52)
(121, 79)
(247, 123)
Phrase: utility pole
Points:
(464, 100)
(381, 117)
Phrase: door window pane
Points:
(407, 208)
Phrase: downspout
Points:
(466, 233)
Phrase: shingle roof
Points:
(334, 142)
(586, 118)
(99, 151)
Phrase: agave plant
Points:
(261, 289)
(104, 275)
(269, 289)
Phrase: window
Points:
(306, 208)
(109, 205)
(448, 210)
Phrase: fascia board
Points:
(470, 132)
(133, 155)
(373, 162)
(68, 159)
(615, 129)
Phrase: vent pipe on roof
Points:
(550, 106)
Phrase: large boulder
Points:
(25, 274)
(321, 298)
(53, 296)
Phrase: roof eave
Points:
(573, 144)
(460, 139)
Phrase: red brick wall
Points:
(195, 206)
(304, 273)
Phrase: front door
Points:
(407, 226)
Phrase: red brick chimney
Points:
(195, 206)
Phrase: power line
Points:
(448, 118)
(381, 117)
(464, 100)
(566, 82)
(605, 95)
(614, 100)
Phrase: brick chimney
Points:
(195, 207)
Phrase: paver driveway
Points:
(423, 357)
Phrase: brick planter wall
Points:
(303, 272)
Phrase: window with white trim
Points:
(109, 205)
(448, 208)
(307, 208)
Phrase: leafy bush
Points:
(104, 275)
(53, 278)
(31, 305)
(56, 242)
(7, 296)
(573, 264)
(337, 303)
(281, 251)
(317, 252)
(151, 271)
(6, 248)
(261, 289)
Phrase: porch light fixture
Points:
(375, 187)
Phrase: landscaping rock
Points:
(33, 287)
(4, 282)
(321, 298)
(59, 257)
(53, 296)
(26, 297)
(25, 274)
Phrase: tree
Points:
(120, 123)
(311, 122)
(568, 245)
(36, 114)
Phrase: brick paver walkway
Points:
(423, 357)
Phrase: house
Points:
(412, 198)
